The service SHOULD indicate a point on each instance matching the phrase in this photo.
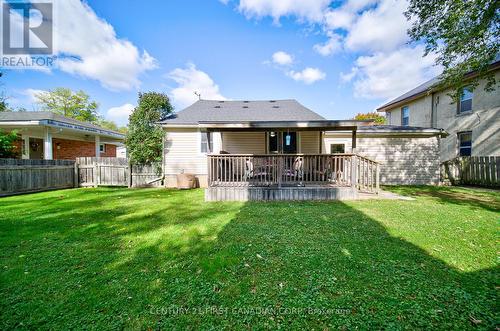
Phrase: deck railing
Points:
(293, 170)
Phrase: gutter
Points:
(58, 124)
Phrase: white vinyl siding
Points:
(403, 160)
(182, 152)
(309, 142)
(244, 142)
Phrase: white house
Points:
(280, 144)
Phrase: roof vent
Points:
(221, 101)
(272, 100)
(217, 107)
(276, 106)
(246, 101)
(245, 106)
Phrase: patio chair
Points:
(253, 171)
(295, 172)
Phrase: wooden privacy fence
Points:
(23, 176)
(472, 170)
(113, 171)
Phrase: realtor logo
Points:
(27, 28)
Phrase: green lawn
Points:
(163, 259)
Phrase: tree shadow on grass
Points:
(135, 259)
(481, 199)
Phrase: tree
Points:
(4, 107)
(144, 139)
(379, 119)
(464, 35)
(64, 101)
(112, 126)
(7, 147)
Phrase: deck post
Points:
(209, 168)
(377, 178)
(354, 171)
(353, 141)
(280, 170)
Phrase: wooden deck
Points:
(290, 177)
(279, 194)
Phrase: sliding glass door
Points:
(282, 142)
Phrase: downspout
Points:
(433, 111)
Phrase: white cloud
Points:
(339, 19)
(310, 10)
(282, 58)
(374, 30)
(387, 75)
(94, 51)
(380, 29)
(87, 46)
(31, 94)
(343, 17)
(190, 80)
(332, 46)
(307, 76)
(347, 77)
(120, 114)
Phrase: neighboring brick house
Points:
(45, 135)
(473, 123)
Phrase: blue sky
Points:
(337, 58)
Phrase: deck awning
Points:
(317, 125)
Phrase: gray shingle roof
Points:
(422, 88)
(426, 87)
(244, 111)
(49, 116)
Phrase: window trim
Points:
(209, 141)
(459, 147)
(459, 101)
(332, 144)
(402, 116)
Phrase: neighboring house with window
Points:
(49, 136)
(407, 155)
(472, 121)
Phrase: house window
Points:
(405, 116)
(102, 148)
(388, 118)
(206, 142)
(337, 148)
(465, 143)
(465, 104)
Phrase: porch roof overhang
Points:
(110, 135)
(316, 125)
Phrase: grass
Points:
(162, 259)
